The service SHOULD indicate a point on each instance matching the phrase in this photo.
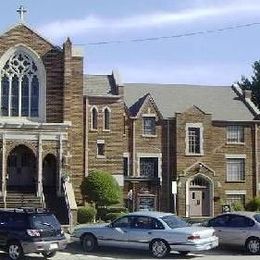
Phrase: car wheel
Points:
(89, 243)
(159, 248)
(49, 254)
(15, 251)
(253, 245)
(183, 253)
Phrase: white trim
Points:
(104, 117)
(211, 193)
(235, 192)
(150, 155)
(235, 156)
(41, 77)
(100, 141)
(149, 115)
(91, 118)
(195, 125)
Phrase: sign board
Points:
(174, 187)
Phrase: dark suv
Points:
(24, 231)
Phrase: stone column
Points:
(3, 167)
(39, 179)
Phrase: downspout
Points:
(168, 165)
(133, 168)
(256, 162)
(86, 137)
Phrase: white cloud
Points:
(94, 23)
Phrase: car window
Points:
(220, 221)
(257, 217)
(17, 221)
(124, 222)
(240, 221)
(4, 218)
(44, 221)
(174, 222)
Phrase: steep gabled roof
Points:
(220, 101)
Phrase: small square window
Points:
(235, 134)
(101, 149)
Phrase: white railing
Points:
(70, 201)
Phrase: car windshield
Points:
(174, 222)
(257, 217)
(44, 221)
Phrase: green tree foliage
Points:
(253, 84)
(101, 188)
(86, 214)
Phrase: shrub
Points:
(237, 206)
(101, 188)
(113, 215)
(86, 214)
(254, 204)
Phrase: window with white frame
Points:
(235, 169)
(100, 148)
(149, 167)
(194, 139)
(234, 199)
(106, 119)
(235, 134)
(20, 86)
(149, 125)
(94, 118)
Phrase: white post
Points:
(60, 166)
(39, 179)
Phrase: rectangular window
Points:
(194, 140)
(149, 167)
(149, 125)
(100, 148)
(126, 173)
(232, 199)
(235, 134)
(236, 169)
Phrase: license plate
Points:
(53, 246)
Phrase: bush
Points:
(101, 188)
(113, 215)
(117, 210)
(254, 204)
(237, 206)
(86, 214)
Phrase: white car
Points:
(155, 231)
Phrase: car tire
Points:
(159, 248)
(253, 246)
(49, 254)
(183, 253)
(15, 251)
(89, 243)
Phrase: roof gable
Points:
(194, 110)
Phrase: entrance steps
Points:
(18, 200)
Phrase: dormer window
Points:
(20, 86)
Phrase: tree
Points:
(253, 84)
(101, 188)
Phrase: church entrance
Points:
(21, 170)
(49, 174)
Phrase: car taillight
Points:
(33, 232)
(193, 237)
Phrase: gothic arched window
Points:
(106, 119)
(94, 118)
(20, 86)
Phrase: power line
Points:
(190, 34)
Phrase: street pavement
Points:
(75, 252)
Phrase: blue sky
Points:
(214, 59)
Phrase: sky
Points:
(217, 58)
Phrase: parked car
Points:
(155, 231)
(24, 231)
(238, 229)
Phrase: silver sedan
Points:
(238, 229)
(155, 231)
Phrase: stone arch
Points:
(21, 169)
(199, 196)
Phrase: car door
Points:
(142, 231)
(219, 224)
(237, 229)
(116, 234)
(4, 218)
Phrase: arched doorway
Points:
(49, 173)
(200, 188)
(21, 170)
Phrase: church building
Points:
(184, 149)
